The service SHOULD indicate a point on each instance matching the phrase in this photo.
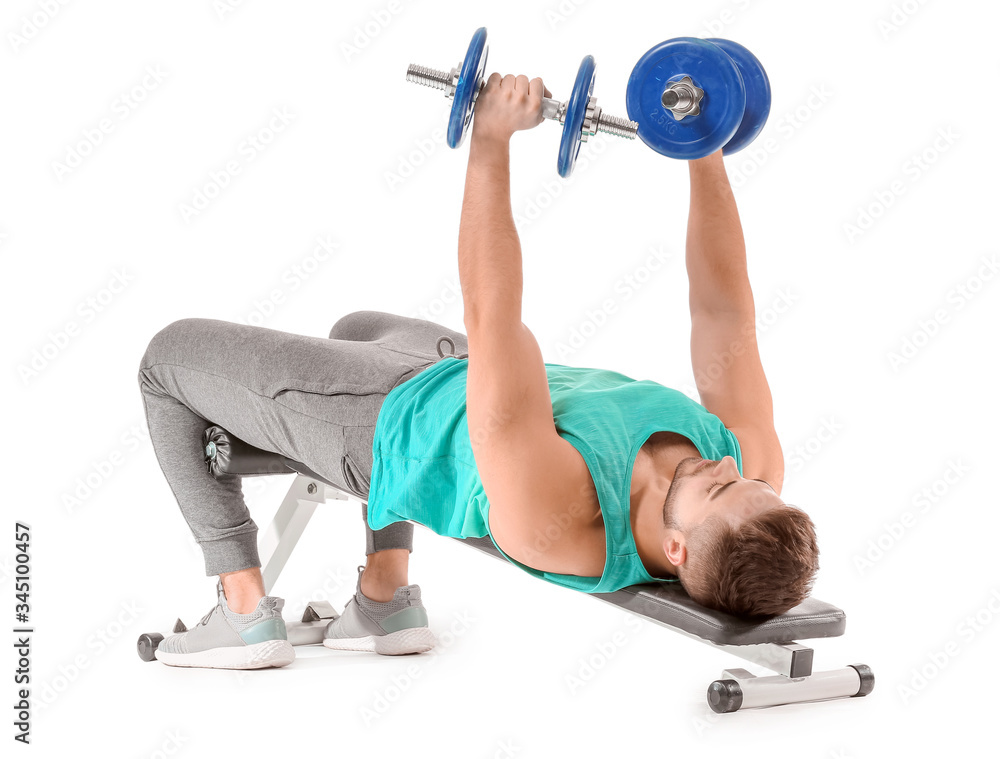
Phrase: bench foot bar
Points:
(309, 631)
(740, 689)
(306, 633)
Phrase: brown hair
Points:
(760, 568)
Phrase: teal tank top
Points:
(424, 469)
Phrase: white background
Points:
(863, 93)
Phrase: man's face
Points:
(702, 487)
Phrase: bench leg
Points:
(280, 539)
(289, 523)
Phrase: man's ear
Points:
(674, 547)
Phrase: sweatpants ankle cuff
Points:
(231, 554)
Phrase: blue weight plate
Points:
(758, 90)
(721, 107)
(468, 85)
(576, 112)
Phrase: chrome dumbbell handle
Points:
(434, 78)
(555, 110)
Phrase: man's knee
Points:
(361, 325)
(166, 343)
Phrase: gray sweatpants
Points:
(314, 400)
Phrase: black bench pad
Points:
(669, 604)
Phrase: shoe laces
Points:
(204, 620)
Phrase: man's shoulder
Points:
(560, 527)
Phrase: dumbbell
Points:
(686, 98)
(580, 116)
(692, 96)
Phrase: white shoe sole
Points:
(270, 653)
(413, 640)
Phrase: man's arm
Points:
(724, 354)
(519, 454)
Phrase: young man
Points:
(583, 477)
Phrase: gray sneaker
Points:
(392, 627)
(224, 639)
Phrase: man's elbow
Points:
(472, 319)
(495, 316)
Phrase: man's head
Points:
(736, 545)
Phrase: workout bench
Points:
(770, 644)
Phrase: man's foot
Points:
(226, 640)
(395, 627)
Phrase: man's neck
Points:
(648, 492)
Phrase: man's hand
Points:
(507, 105)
